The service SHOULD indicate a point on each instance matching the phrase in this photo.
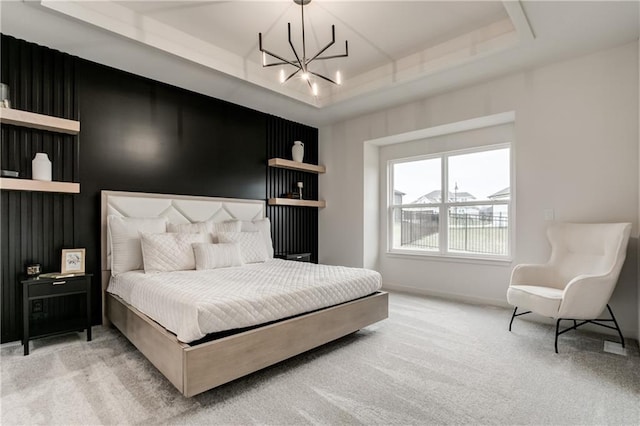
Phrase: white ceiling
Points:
(398, 51)
(374, 38)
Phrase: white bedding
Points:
(192, 304)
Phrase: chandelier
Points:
(301, 62)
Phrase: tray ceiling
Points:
(389, 42)
(398, 50)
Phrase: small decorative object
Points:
(33, 270)
(4, 96)
(10, 173)
(300, 186)
(41, 167)
(73, 261)
(297, 151)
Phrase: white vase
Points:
(41, 167)
(297, 151)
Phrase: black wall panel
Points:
(294, 229)
(35, 226)
(140, 135)
(135, 135)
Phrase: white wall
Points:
(576, 146)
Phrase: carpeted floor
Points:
(431, 362)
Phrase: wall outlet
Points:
(548, 214)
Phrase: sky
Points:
(479, 173)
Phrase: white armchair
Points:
(578, 280)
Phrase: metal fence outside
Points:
(483, 233)
(418, 228)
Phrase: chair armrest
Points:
(529, 274)
(586, 296)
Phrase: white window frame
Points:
(444, 205)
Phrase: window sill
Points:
(502, 261)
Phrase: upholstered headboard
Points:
(176, 208)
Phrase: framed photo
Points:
(73, 261)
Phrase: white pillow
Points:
(212, 256)
(251, 245)
(124, 234)
(264, 227)
(227, 226)
(169, 251)
(207, 227)
(191, 228)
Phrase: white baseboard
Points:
(475, 300)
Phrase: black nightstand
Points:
(46, 288)
(298, 257)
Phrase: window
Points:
(472, 220)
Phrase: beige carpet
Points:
(431, 362)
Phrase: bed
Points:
(286, 307)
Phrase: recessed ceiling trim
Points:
(519, 19)
(473, 45)
(127, 23)
(476, 44)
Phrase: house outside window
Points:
(455, 203)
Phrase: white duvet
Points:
(192, 304)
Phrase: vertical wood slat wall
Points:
(35, 226)
(293, 229)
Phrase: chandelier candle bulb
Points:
(283, 77)
(314, 89)
(338, 78)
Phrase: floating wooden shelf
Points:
(32, 120)
(294, 165)
(38, 185)
(293, 202)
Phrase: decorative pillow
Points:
(191, 228)
(206, 227)
(212, 256)
(124, 234)
(251, 245)
(169, 251)
(264, 227)
(228, 226)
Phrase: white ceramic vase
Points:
(297, 151)
(41, 167)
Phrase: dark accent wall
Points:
(35, 226)
(294, 229)
(135, 135)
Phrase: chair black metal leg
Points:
(616, 323)
(512, 317)
(557, 334)
(575, 323)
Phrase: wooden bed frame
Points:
(198, 368)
